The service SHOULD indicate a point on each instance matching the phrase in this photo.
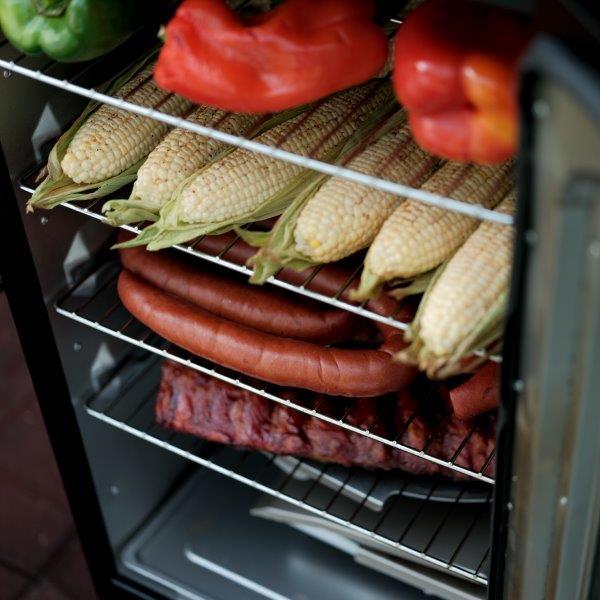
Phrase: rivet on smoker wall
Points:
(594, 249)
(44, 220)
(541, 109)
(7, 74)
(518, 385)
(509, 505)
(531, 237)
(76, 346)
(114, 490)
(563, 501)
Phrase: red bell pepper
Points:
(300, 51)
(455, 70)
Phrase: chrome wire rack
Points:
(94, 302)
(230, 251)
(474, 210)
(449, 533)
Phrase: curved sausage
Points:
(330, 278)
(282, 361)
(266, 310)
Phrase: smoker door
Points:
(550, 498)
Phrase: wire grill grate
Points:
(226, 258)
(453, 535)
(94, 302)
(473, 210)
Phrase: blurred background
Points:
(40, 555)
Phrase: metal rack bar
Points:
(217, 458)
(89, 209)
(441, 525)
(483, 560)
(302, 289)
(488, 460)
(72, 306)
(473, 210)
(219, 259)
(465, 537)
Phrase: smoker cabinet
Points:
(163, 515)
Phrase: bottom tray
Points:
(203, 543)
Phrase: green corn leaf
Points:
(57, 188)
(485, 335)
(134, 209)
(142, 239)
(370, 286)
(413, 287)
(253, 238)
(123, 212)
(279, 249)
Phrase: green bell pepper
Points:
(70, 30)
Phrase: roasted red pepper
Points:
(300, 51)
(455, 70)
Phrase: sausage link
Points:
(265, 310)
(330, 278)
(478, 394)
(282, 361)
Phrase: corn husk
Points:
(278, 247)
(486, 335)
(170, 230)
(403, 288)
(57, 187)
(124, 211)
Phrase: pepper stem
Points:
(51, 8)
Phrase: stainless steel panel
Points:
(556, 489)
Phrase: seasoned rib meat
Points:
(191, 402)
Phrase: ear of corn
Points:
(168, 230)
(418, 237)
(343, 217)
(178, 156)
(104, 148)
(244, 187)
(339, 217)
(244, 179)
(463, 309)
(112, 140)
